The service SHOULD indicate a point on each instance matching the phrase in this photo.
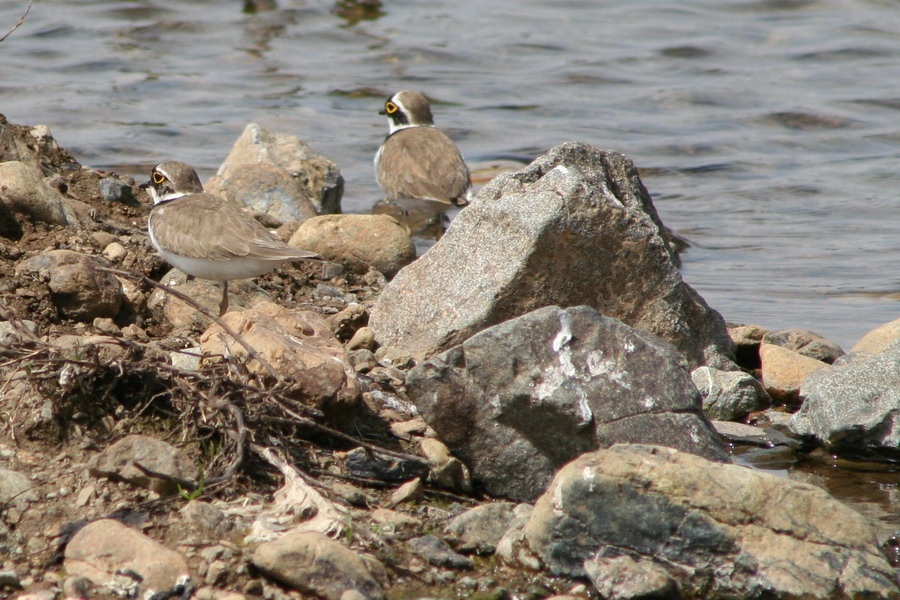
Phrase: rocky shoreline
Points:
(537, 407)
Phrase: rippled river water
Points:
(768, 132)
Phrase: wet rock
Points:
(784, 371)
(576, 227)
(170, 309)
(689, 518)
(277, 174)
(113, 555)
(358, 242)
(480, 529)
(297, 344)
(729, 395)
(519, 400)
(118, 462)
(879, 338)
(437, 552)
(739, 433)
(16, 489)
(627, 578)
(24, 191)
(854, 407)
(77, 289)
(805, 343)
(314, 564)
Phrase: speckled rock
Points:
(576, 227)
(519, 400)
(279, 175)
(688, 518)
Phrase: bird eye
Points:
(158, 178)
(391, 108)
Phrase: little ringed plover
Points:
(206, 236)
(417, 160)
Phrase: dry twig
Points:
(19, 23)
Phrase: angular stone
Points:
(77, 289)
(358, 242)
(855, 407)
(729, 395)
(784, 371)
(118, 462)
(297, 344)
(718, 530)
(576, 227)
(279, 175)
(315, 564)
(519, 400)
(102, 549)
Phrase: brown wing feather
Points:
(424, 163)
(205, 226)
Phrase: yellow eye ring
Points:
(391, 108)
(158, 177)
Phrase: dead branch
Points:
(19, 23)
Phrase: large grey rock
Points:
(77, 289)
(279, 175)
(519, 400)
(317, 565)
(717, 530)
(103, 550)
(576, 227)
(729, 395)
(854, 407)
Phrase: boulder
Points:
(358, 242)
(314, 564)
(879, 338)
(77, 289)
(784, 371)
(108, 553)
(729, 395)
(278, 175)
(712, 530)
(576, 227)
(298, 345)
(854, 407)
(518, 400)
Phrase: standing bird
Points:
(417, 160)
(206, 236)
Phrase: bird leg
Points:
(223, 306)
